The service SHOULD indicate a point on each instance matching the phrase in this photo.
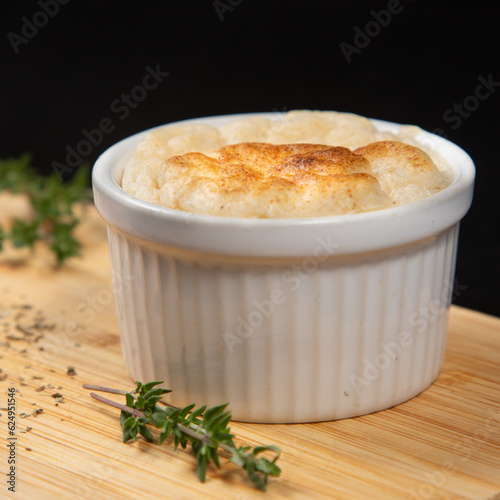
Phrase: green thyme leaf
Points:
(201, 465)
(53, 220)
(23, 233)
(130, 400)
(15, 173)
(146, 433)
(125, 427)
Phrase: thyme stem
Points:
(205, 429)
(104, 389)
(132, 411)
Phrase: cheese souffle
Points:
(305, 164)
(308, 308)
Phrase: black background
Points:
(233, 56)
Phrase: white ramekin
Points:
(288, 320)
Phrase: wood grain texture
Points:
(443, 444)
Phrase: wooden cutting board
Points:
(443, 444)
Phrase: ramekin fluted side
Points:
(293, 340)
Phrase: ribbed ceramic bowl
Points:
(288, 320)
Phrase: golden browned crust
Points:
(290, 159)
(267, 180)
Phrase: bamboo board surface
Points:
(443, 444)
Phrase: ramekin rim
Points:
(103, 179)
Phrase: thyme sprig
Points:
(206, 429)
(52, 218)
